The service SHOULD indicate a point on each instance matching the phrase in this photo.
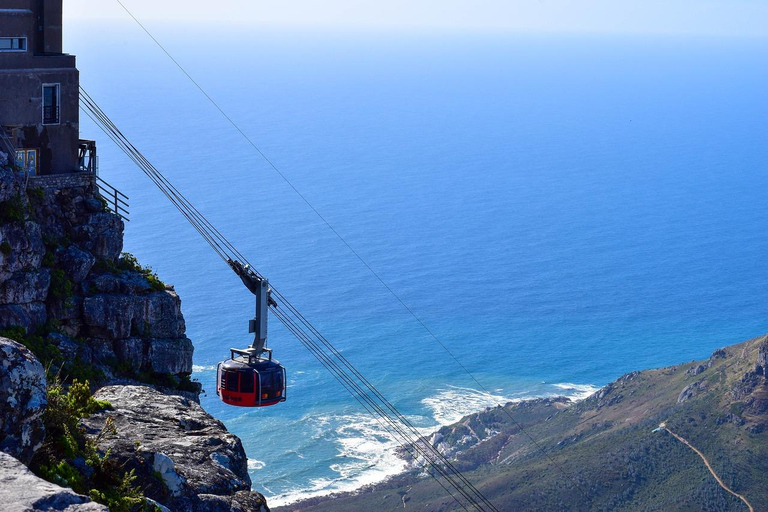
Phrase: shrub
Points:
(97, 474)
(129, 262)
(13, 210)
(37, 194)
(61, 287)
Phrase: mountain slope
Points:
(606, 453)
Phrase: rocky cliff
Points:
(63, 279)
(73, 307)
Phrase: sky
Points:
(674, 17)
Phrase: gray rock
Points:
(762, 360)
(26, 316)
(170, 355)
(93, 205)
(102, 235)
(131, 283)
(75, 263)
(203, 466)
(21, 491)
(25, 287)
(27, 249)
(156, 315)
(691, 391)
(22, 400)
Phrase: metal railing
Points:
(116, 201)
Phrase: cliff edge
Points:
(74, 309)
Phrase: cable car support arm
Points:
(258, 285)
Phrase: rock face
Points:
(22, 401)
(183, 457)
(21, 491)
(61, 271)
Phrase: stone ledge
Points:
(80, 179)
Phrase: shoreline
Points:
(573, 392)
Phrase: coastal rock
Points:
(21, 491)
(22, 401)
(691, 391)
(24, 249)
(26, 316)
(25, 287)
(761, 367)
(75, 263)
(200, 463)
(102, 235)
(156, 315)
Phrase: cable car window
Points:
(232, 384)
(246, 382)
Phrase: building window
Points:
(51, 98)
(13, 44)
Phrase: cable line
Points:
(372, 400)
(517, 424)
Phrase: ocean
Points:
(558, 210)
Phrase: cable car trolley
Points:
(250, 377)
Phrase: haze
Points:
(677, 17)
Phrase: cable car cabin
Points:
(249, 380)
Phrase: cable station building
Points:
(39, 90)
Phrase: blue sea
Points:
(558, 210)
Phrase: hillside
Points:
(606, 452)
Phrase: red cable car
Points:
(248, 378)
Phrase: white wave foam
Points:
(576, 391)
(366, 453)
(256, 464)
(200, 368)
(453, 403)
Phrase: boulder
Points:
(102, 235)
(200, 465)
(22, 491)
(75, 263)
(22, 401)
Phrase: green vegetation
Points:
(62, 288)
(163, 380)
(36, 194)
(50, 356)
(5, 248)
(13, 210)
(71, 459)
(129, 262)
